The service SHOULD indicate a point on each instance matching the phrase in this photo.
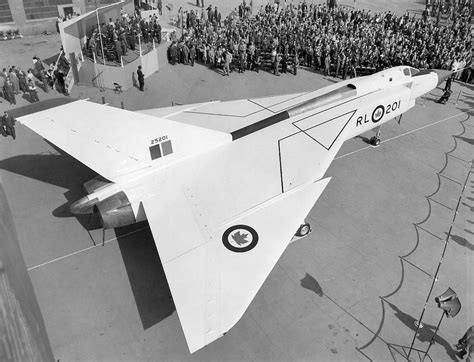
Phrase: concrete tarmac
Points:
(349, 291)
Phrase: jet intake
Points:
(115, 211)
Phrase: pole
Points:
(435, 278)
(100, 35)
(432, 338)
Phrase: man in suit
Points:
(9, 123)
(141, 78)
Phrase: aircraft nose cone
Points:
(442, 75)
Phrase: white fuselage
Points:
(375, 99)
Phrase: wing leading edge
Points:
(216, 274)
(115, 142)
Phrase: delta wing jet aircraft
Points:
(224, 185)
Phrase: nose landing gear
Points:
(375, 141)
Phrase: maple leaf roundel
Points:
(240, 238)
(378, 113)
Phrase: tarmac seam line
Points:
(82, 250)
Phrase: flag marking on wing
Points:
(161, 150)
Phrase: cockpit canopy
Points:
(409, 71)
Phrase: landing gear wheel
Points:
(375, 141)
(303, 230)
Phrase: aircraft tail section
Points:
(115, 142)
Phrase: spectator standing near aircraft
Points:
(39, 72)
(192, 54)
(3, 132)
(8, 90)
(9, 123)
(276, 70)
(141, 78)
(33, 91)
(160, 7)
(227, 61)
(2, 89)
(447, 86)
(14, 80)
(22, 81)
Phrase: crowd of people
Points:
(339, 41)
(14, 80)
(114, 39)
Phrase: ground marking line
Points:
(85, 249)
(401, 135)
(336, 158)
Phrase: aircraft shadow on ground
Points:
(56, 169)
(145, 273)
(142, 263)
(426, 333)
(364, 139)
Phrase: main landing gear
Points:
(303, 230)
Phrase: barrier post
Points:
(121, 104)
(154, 47)
(103, 100)
(121, 61)
(93, 56)
(100, 36)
